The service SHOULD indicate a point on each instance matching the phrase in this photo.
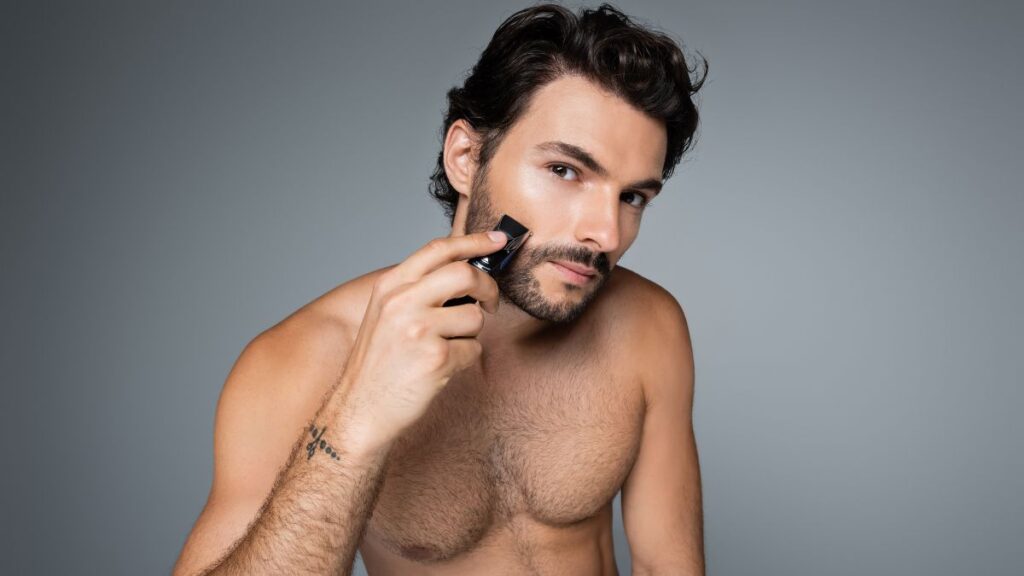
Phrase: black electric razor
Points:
(496, 262)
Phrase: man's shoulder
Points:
(314, 340)
(643, 317)
(633, 297)
(658, 338)
(336, 314)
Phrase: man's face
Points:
(576, 169)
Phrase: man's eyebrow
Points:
(585, 158)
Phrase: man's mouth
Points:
(575, 273)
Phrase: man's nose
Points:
(599, 220)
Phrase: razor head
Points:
(498, 261)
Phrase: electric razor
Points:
(495, 262)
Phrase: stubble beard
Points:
(518, 285)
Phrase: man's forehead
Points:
(577, 111)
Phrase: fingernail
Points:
(497, 236)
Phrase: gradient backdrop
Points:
(846, 239)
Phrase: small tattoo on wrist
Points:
(319, 442)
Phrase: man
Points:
(443, 440)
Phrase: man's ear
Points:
(460, 156)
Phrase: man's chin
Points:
(560, 307)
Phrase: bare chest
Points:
(551, 444)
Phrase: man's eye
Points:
(561, 169)
(642, 199)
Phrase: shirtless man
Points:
(487, 438)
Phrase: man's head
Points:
(568, 123)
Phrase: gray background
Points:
(846, 240)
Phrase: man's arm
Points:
(661, 498)
(308, 515)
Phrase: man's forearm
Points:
(316, 513)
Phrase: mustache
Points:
(571, 254)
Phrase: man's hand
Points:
(408, 345)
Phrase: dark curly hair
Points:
(541, 43)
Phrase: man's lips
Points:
(574, 273)
(584, 270)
